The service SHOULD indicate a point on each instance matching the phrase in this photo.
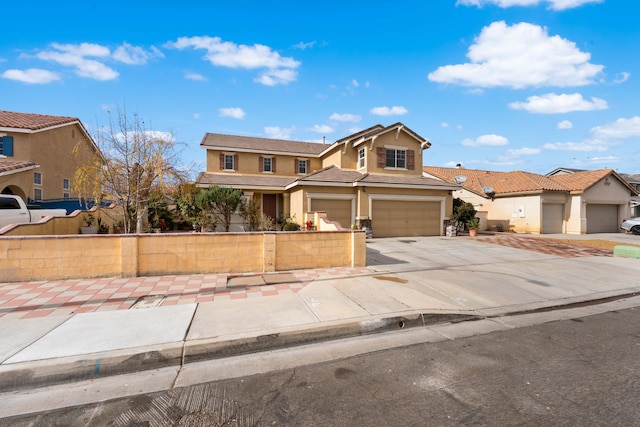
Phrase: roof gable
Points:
(583, 180)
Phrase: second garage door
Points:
(398, 218)
(602, 218)
(337, 210)
(552, 218)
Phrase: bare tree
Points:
(135, 160)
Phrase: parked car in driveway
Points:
(632, 225)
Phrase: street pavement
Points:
(72, 330)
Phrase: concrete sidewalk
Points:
(408, 282)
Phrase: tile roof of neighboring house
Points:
(502, 183)
(8, 167)
(243, 181)
(583, 180)
(262, 145)
(33, 122)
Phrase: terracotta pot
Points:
(472, 233)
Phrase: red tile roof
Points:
(29, 121)
(581, 180)
(13, 166)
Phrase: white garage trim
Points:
(406, 198)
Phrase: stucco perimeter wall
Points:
(30, 258)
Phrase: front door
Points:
(269, 205)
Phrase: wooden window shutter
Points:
(221, 161)
(273, 164)
(381, 152)
(7, 145)
(235, 162)
(261, 164)
(411, 159)
(296, 166)
(306, 166)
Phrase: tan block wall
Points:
(30, 258)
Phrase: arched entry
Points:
(16, 191)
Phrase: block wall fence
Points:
(54, 257)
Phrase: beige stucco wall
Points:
(66, 225)
(83, 256)
(52, 149)
(19, 183)
(249, 163)
(389, 139)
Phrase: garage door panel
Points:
(395, 218)
(602, 218)
(337, 210)
(552, 218)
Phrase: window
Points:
(65, 195)
(302, 166)
(228, 162)
(6, 146)
(37, 194)
(37, 178)
(267, 164)
(65, 184)
(362, 158)
(396, 158)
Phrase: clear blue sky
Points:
(493, 84)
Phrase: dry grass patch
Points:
(592, 243)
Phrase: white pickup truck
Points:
(13, 210)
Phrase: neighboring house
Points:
(372, 178)
(577, 202)
(634, 205)
(37, 159)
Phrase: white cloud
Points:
(135, 55)
(322, 129)
(587, 145)
(519, 56)
(278, 132)
(621, 128)
(279, 70)
(444, 125)
(196, 116)
(355, 83)
(604, 160)
(75, 56)
(345, 117)
(565, 124)
(303, 45)
(233, 112)
(553, 4)
(195, 76)
(622, 77)
(524, 151)
(563, 103)
(486, 141)
(392, 111)
(31, 75)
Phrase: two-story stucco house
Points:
(372, 178)
(37, 159)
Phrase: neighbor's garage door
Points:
(552, 218)
(395, 218)
(337, 210)
(602, 218)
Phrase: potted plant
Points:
(89, 228)
(473, 225)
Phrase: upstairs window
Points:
(6, 146)
(267, 164)
(228, 162)
(362, 158)
(302, 166)
(396, 158)
(65, 184)
(37, 178)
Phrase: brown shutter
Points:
(295, 166)
(382, 156)
(221, 161)
(261, 164)
(273, 164)
(411, 160)
(235, 162)
(306, 168)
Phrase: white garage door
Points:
(396, 218)
(552, 215)
(602, 218)
(337, 210)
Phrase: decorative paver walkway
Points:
(546, 246)
(23, 300)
